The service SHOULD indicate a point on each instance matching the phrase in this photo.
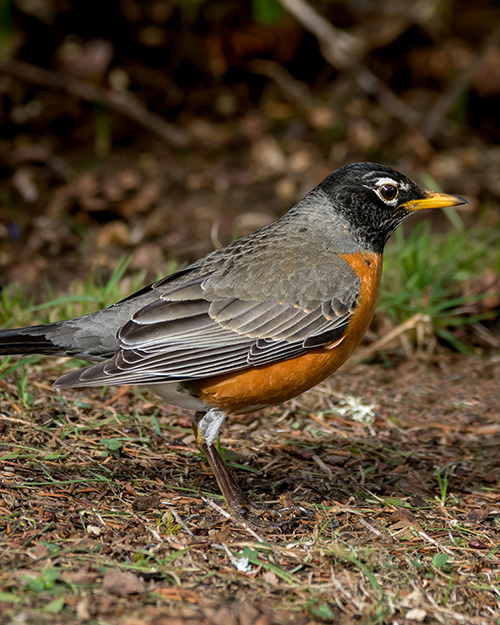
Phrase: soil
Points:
(395, 459)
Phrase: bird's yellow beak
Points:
(434, 199)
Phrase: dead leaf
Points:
(478, 515)
(94, 530)
(122, 583)
(270, 578)
(477, 544)
(41, 551)
(145, 502)
(178, 594)
(83, 609)
(84, 576)
(417, 614)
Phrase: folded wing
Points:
(190, 333)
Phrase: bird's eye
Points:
(388, 191)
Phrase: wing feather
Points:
(191, 332)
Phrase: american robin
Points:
(254, 323)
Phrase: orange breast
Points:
(274, 383)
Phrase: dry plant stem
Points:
(178, 519)
(124, 103)
(371, 85)
(409, 324)
(5, 417)
(376, 531)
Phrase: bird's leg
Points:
(206, 428)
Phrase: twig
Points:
(341, 50)
(485, 335)
(4, 417)
(371, 85)
(289, 85)
(433, 121)
(177, 517)
(324, 467)
(376, 531)
(124, 103)
(344, 52)
(410, 323)
(434, 542)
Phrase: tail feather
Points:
(31, 340)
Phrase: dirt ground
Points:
(399, 464)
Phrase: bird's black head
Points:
(373, 200)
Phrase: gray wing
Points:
(239, 307)
(189, 332)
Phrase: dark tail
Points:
(32, 340)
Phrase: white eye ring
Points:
(377, 184)
(388, 192)
(382, 182)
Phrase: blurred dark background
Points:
(164, 127)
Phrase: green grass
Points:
(17, 308)
(427, 273)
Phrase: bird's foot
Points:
(261, 517)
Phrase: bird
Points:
(251, 324)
